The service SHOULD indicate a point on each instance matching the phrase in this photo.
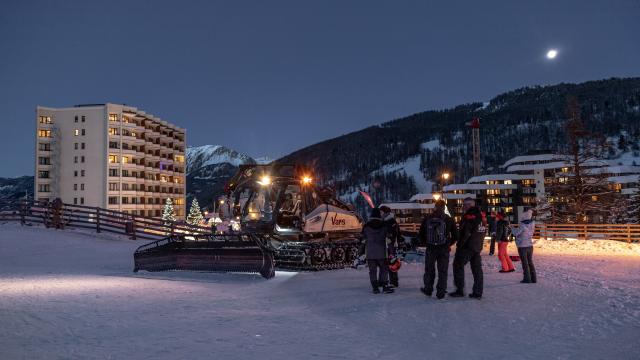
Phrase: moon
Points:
(552, 53)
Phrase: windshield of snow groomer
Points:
(260, 205)
(290, 200)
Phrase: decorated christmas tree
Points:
(195, 214)
(168, 215)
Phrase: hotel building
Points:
(110, 156)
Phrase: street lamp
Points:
(436, 196)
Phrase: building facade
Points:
(110, 156)
(527, 179)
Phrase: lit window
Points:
(44, 133)
(44, 119)
(76, 132)
(113, 131)
(113, 159)
(113, 117)
(126, 160)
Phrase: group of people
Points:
(439, 232)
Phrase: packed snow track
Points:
(73, 295)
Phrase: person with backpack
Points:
(438, 231)
(393, 236)
(503, 231)
(472, 230)
(374, 234)
(524, 242)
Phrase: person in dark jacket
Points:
(503, 231)
(438, 251)
(393, 237)
(374, 234)
(471, 238)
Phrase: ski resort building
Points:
(419, 205)
(111, 156)
(527, 177)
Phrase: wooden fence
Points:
(619, 232)
(101, 220)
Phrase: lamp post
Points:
(445, 180)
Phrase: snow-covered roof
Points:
(532, 158)
(453, 187)
(532, 167)
(422, 197)
(626, 179)
(407, 205)
(620, 169)
(497, 177)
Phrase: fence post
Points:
(23, 210)
(629, 233)
(133, 227)
(97, 219)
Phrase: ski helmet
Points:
(394, 264)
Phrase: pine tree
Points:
(168, 215)
(633, 207)
(195, 214)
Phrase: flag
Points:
(368, 198)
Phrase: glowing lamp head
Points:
(445, 176)
(436, 197)
(265, 180)
(551, 54)
(221, 202)
(307, 180)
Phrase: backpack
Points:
(436, 231)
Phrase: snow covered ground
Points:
(69, 295)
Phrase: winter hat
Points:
(385, 208)
(527, 215)
(375, 213)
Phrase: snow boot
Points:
(440, 296)
(387, 289)
(475, 296)
(525, 282)
(457, 293)
(376, 290)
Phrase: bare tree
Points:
(582, 191)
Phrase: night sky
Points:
(269, 77)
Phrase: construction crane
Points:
(474, 124)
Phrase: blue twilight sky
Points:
(269, 77)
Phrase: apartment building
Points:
(527, 177)
(111, 156)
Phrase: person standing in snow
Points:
(503, 230)
(470, 241)
(393, 235)
(374, 235)
(524, 242)
(438, 231)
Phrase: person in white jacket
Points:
(524, 242)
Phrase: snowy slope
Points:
(209, 167)
(200, 156)
(411, 167)
(65, 295)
